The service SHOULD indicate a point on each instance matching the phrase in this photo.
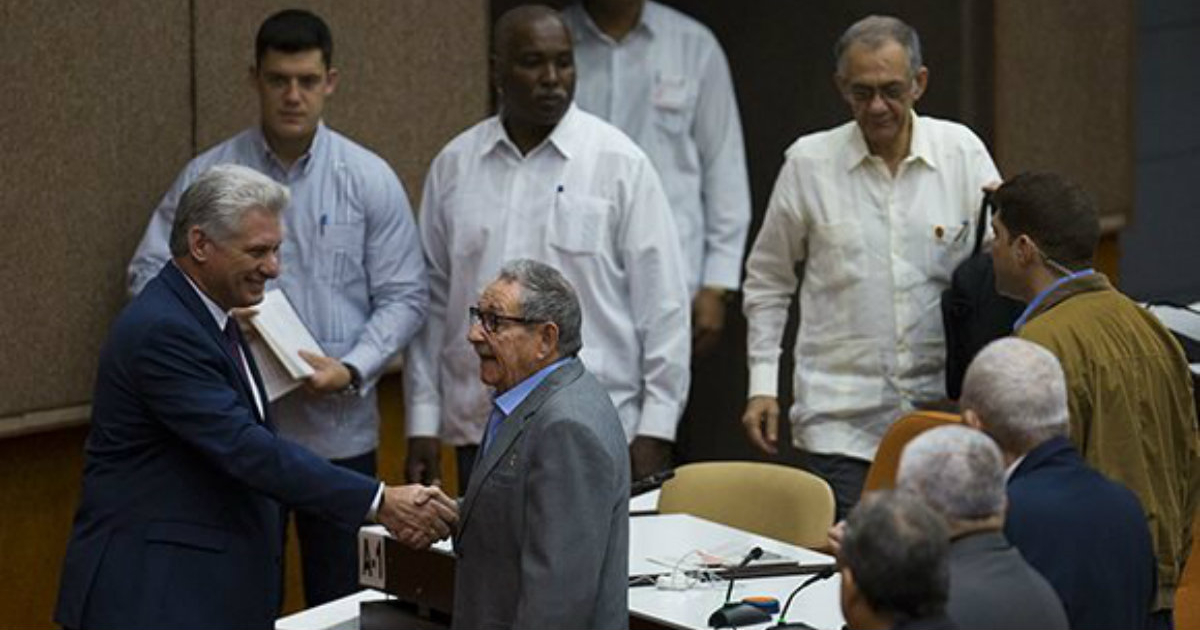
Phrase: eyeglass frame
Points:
(476, 314)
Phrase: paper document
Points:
(281, 331)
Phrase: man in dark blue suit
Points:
(179, 520)
(1086, 534)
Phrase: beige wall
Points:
(1065, 93)
(100, 113)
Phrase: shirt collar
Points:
(920, 147)
(511, 399)
(219, 315)
(564, 137)
(315, 149)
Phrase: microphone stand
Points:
(800, 625)
(734, 614)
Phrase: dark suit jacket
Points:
(543, 540)
(178, 524)
(1086, 534)
(992, 587)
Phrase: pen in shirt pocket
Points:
(962, 231)
(324, 222)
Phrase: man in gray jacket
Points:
(543, 540)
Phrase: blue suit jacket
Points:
(179, 520)
(1086, 534)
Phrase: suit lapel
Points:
(512, 428)
(175, 279)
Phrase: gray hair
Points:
(546, 296)
(957, 470)
(219, 198)
(874, 31)
(897, 548)
(1018, 390)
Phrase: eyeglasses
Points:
(491, 321)
(889, 92)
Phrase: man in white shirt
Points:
(662, 78)
(880, 211)
(547, 181)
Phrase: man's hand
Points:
(417, 515)
(648, 455)
(708, 320)
(331, 375)
(761, 421)
(836, 534)
(423, 463)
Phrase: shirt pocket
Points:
(836, 255)
(579, 224)
(672, 100)
(342, 246)
(947, 246)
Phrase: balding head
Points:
(1016, 392)
(957, 470)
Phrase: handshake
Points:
(417, 515)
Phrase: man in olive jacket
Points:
(1128, 386)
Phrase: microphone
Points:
(734, 614)
(651, 482)
(751, 556)
(824, 574)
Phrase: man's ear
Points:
(548, 339)
(971, 419)
(920, 82)
(331, 81)
(1027, 251)
(199, 244)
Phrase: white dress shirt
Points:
(667, 85)
(878, 251)
(586, 201)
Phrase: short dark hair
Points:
(896, 547)
(1054, 212)
(293, 31)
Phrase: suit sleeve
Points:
(182, 380)
(567, 521)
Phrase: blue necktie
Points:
(493, 424)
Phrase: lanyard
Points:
(1045, 292)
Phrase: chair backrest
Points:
(771, 500)
(1187, 592)
(882, 473)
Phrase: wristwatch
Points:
(355, 385)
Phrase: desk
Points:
(673, 535)
(653, 541)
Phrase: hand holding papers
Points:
(276, 348)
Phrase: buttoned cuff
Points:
(368, 364)
(722, 273)
(659, 420)
(423, 420)
(764, 380)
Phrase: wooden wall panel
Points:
(413, 73)
(96, 114)
(1064, 95)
